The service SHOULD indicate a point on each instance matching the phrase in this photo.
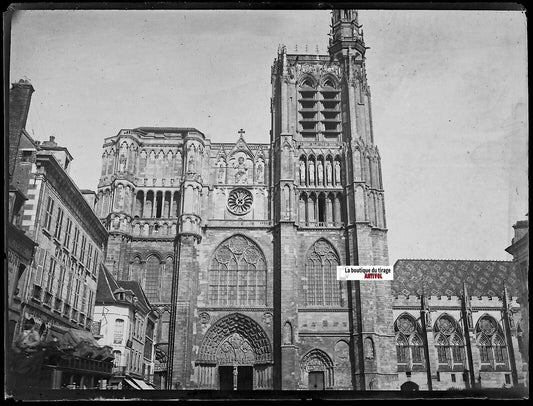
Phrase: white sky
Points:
(449, 101)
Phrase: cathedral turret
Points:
(346, 33)
(191, 188)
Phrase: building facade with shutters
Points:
(126, 323)
(236, 244)
(59, 288)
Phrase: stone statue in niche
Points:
(328, 173)
(337, 173)
(302, 173)
(122, 163)
(221, 172)
(241, 174)
(191, 166)
(260, 173)
(320, 172)
(311, 173)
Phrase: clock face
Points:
(240, 201)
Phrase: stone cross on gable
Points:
(241, 132)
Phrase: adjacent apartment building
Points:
(126, 323)
(59, 287)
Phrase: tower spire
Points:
(346, 32)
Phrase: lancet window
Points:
(321, 287)
(409, 344)
(319, 108)
(491, 343)
(449, 342)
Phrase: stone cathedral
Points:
(236, 244)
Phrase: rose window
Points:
(240, 201)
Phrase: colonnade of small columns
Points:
(144, 204)
(156, 204)
(320, 171)
(320, 208)
(143, 164)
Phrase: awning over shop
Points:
(143, 385)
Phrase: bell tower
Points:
(328, 202)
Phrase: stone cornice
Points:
(61, 182)
(236, 308)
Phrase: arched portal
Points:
(317, 370)
(235, 354)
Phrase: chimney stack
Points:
(19, 106)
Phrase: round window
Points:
(240, 201)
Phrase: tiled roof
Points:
(166, 129)
(106, 286)
(437, 277)
(137, 290)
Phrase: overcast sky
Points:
(449, 101)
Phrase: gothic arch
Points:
(244, 327)
(329, 80)
(316, 354)
(288, 337)
(322, 287)
(318, 360)
(237, 273)
(308, 81)
(153, 253)
(445, 324)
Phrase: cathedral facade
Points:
(236, 244)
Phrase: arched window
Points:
(323, 288)
(484, 349)
(442, 349)
(499, 349)
(409, 345)
(449, 341)
(237, 275)
(416, 349)
(329, 83)
(153, 277)
(491, 342)
(457, 345)
(307, 83)
(401, 348)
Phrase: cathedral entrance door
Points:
(225, 375)
(245, 380)
(316, 380)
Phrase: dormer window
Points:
(119, 294)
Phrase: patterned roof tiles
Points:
(438, 277)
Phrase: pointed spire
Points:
(345, 32)
(506, 301)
